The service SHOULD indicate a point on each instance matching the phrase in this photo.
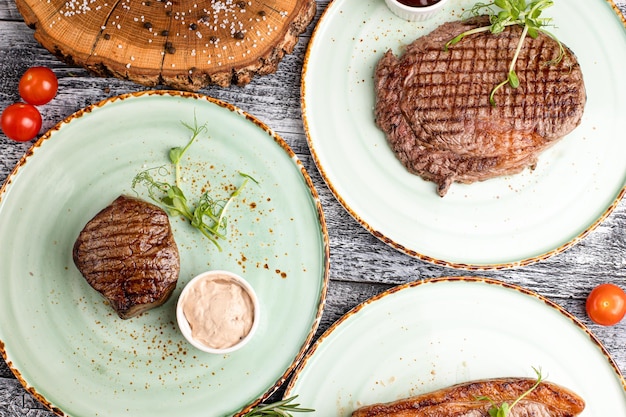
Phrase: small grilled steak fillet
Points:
(433, 105)
(547, 400)
(128, 254)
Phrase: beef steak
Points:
(473, 399)
(433, 105)
(128, 254)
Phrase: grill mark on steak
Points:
(547, 400)
(433, 105)
(128, 254)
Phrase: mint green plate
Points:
(500, 223)
(69, 348)
(431, 334)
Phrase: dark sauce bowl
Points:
(416, 10)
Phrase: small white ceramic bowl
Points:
(415, 13)
(195, 285)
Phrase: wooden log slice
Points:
(183, 44)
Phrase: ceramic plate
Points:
(499, 223)
(69, 348)
(429, 335)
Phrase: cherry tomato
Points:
(606, 304)
(38, 85)
(21, 122)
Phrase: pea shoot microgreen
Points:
(176, 154)
(504, 409)
(208, 215)
(278, 409)
(512, 12)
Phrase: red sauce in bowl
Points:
(418, 3)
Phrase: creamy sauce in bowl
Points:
(217, 311)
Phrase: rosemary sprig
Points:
(504, 409)
(512, 12)
(279, 408)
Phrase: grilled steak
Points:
(433, 105)
(547, 400)
(127, 253)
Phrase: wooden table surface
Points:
(361, 265)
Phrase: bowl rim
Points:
(416, 9)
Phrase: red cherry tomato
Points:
(21, 122)
(38, 85)
(606, 304)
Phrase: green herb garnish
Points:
(512, 12)
(208, 215)
(176, 154)
(504, 409)
(278, 408)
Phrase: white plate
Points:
(428, 335)
(499, 223)
(66, 344)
